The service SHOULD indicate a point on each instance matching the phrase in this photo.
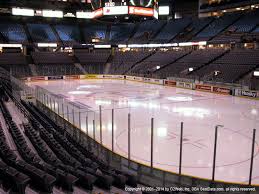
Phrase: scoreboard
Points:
(113, 3)
(96, 4)
(126, 7)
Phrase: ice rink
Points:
(199, 111)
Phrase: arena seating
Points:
(120, 33)
(51, 58)
(234, 32)
(195, 59)
(39, 155)
(160, 58)
(92, 62)
(256, 30)
(13, 33)
(171, 29)
(68, 33)
(217, 26)
(247, 22)
(12, 59)
(48, 157)
(41, 33)
(228, 28)
(54, 63)
(95, 31)
(194, 28)
(92, 58)
(15, 63)
(230, 67)
(214, 29)
(12, 178)
(171, 63)
(123, 61)
(146, 31)
(57, 69)
(40, 179)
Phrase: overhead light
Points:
(152, 45)
(163, 10)
(122, 46)
(85, 15)
(52, 14)
(158, 67)
(79, 92)
(22, 12)
(256, 73)
(69, 15)
(191, 69)
(102, 46)
(95, 40)
(201, 43)
(10, 45)
(47, 45)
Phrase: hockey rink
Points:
(200, 112)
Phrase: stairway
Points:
(33, 69)
(177, 59)
(133, 32)
(107, 68)
(80, 67)
(128, 71)
(208, 63)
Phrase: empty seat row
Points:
(40, 178)
(12, 179)
(64, 154)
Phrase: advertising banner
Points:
(221, 90)
(72, 77)
(107, 76)
(133, 78)
(170, 83)
(188, 85)
(184, 85)
(38, 78)
(154, 81)
(249, 94)
(55, 77)
(206, 88)
(89, 76)
(143, 11)
(180, 84)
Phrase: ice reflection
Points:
(192, 112)
(79, 92)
